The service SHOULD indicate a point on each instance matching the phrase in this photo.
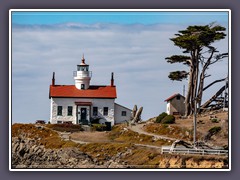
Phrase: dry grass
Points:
(142, 157)
(134, 156)
(44, 136)
(172, 131)
(121, 140)
(104, 151)
(183, 128)
(95, 136)
(31, 131)
(120, 133)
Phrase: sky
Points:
(133, 45)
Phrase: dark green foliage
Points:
(178, 59)
(214, 130)
(169, 119)
(160, 117)
(99, 127)
(196, 37)
(211, 132)
(95, 120)
(164, 118)
(178, 75)
(214, 120)
(66, 127)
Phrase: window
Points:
(178, 97)
(59, 122)
(70, 110)
(124, 113)
(82, 86)
(95, 111)
(59, 110)
(105, 111)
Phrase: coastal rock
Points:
(28, 153)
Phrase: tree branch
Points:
(220, 80)
(219, 57)
(206, 104)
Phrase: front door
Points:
(82, 116)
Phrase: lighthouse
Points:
(82, 76)
(82, 103)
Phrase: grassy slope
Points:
(121, 141)
(47, 137)
(182, 129)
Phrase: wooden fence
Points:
(193, 151)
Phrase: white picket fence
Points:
(167, 149)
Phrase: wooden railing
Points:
(194, 151)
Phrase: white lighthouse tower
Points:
(82, 76)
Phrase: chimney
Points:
(112, 80)
(53, 79)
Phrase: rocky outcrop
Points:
(193, 162)
(27, 153)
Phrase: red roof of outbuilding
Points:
(70, 91)
(173, 96)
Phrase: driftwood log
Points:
(136, 114)
(213, 98)
(188, 145)
(180, 142)
(134, 111)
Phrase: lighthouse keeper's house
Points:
(82, 103)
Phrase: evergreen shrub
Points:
(160, 117)
(169, 119)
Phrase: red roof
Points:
(70, 91)
(173, 96)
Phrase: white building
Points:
(175, 104)
(83, 103)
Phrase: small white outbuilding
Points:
(175, 105)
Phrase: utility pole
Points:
(184, 90)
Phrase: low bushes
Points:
(99, 127)
(211, 132)
(169, 119)
(65, 127)
(164, 118)
(160, 117)
(214, 130)
(214, 120)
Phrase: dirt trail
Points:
(136, 128)
(66, 137)
(139, 129)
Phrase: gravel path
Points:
(139, 129)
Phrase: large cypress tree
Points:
(199, 54)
